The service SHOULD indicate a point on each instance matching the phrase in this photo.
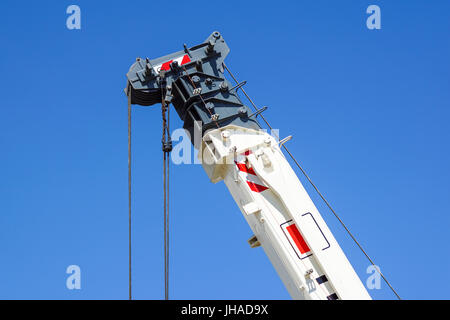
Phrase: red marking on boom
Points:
(242, 167)
(166, 65)
(256, 187)
(186, 59)
(298, 239)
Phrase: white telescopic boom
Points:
(283, 218)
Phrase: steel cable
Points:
(129, 193)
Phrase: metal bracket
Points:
(254, 242)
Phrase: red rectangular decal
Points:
(298, 239)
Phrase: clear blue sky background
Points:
(369, 112)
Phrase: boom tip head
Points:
(193, 81)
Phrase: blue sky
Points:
(368, 110)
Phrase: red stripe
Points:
(242, 167)
(256, 187)
(185, 60)
(166, 65)
(298, 239)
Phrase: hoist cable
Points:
(165, 141)
(315, 187)
(167, 227)
(129, 193)
(168, 194)
(165, 231)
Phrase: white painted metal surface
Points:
(280, 213)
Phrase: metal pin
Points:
(284, 140)
(187, 50)
(239, 85)
(258, 111)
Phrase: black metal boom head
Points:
(193, 81)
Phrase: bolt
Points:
(208, 81)
(224, 86)
(225, 135)
(174, 65)
(210, 47)
(199, 66)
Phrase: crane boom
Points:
(234, 149)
